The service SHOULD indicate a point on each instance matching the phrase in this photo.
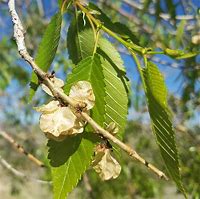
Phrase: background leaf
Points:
(180, 33)
(156, 94)
(47, 50)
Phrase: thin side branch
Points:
(19, 36)
(17, 173)
(21, 149)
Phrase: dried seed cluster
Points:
(104, 164)
(58, 121)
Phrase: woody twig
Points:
(21, 149)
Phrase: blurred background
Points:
(157, 24)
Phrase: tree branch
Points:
(19, 36)
(17, 173)
(21, 149)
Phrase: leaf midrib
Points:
(66, 173)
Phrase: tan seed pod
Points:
(58, 84)
(58, 122)
(61, 120)
(48, 108)
(112, 128)
(106, 166)
(82, 92)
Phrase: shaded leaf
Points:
(156, 94)
(171, 9)
(158, 10)
(60, 152)
(77, 152)
(146, 6)
(47, 50)
(126, 33)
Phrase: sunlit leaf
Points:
(161, 119)
(47, 50)
(90, 69)
(80, 40)
(111, 52)
(179, 54)
(116, 85)
(188, 55)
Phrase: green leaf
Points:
(80, 40)
(173, 53)
(112, 53)
(60, 2)
(4, 79)
(188, 55)
(156, 94)
(179, 54)
(73, 155)
(116, 85)
(116, 97)
(91, 69)
(112, 64)
(47, 50)
(126, 33)
(70, 159)
(158, 10)
(146, 5)
(108, 107)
